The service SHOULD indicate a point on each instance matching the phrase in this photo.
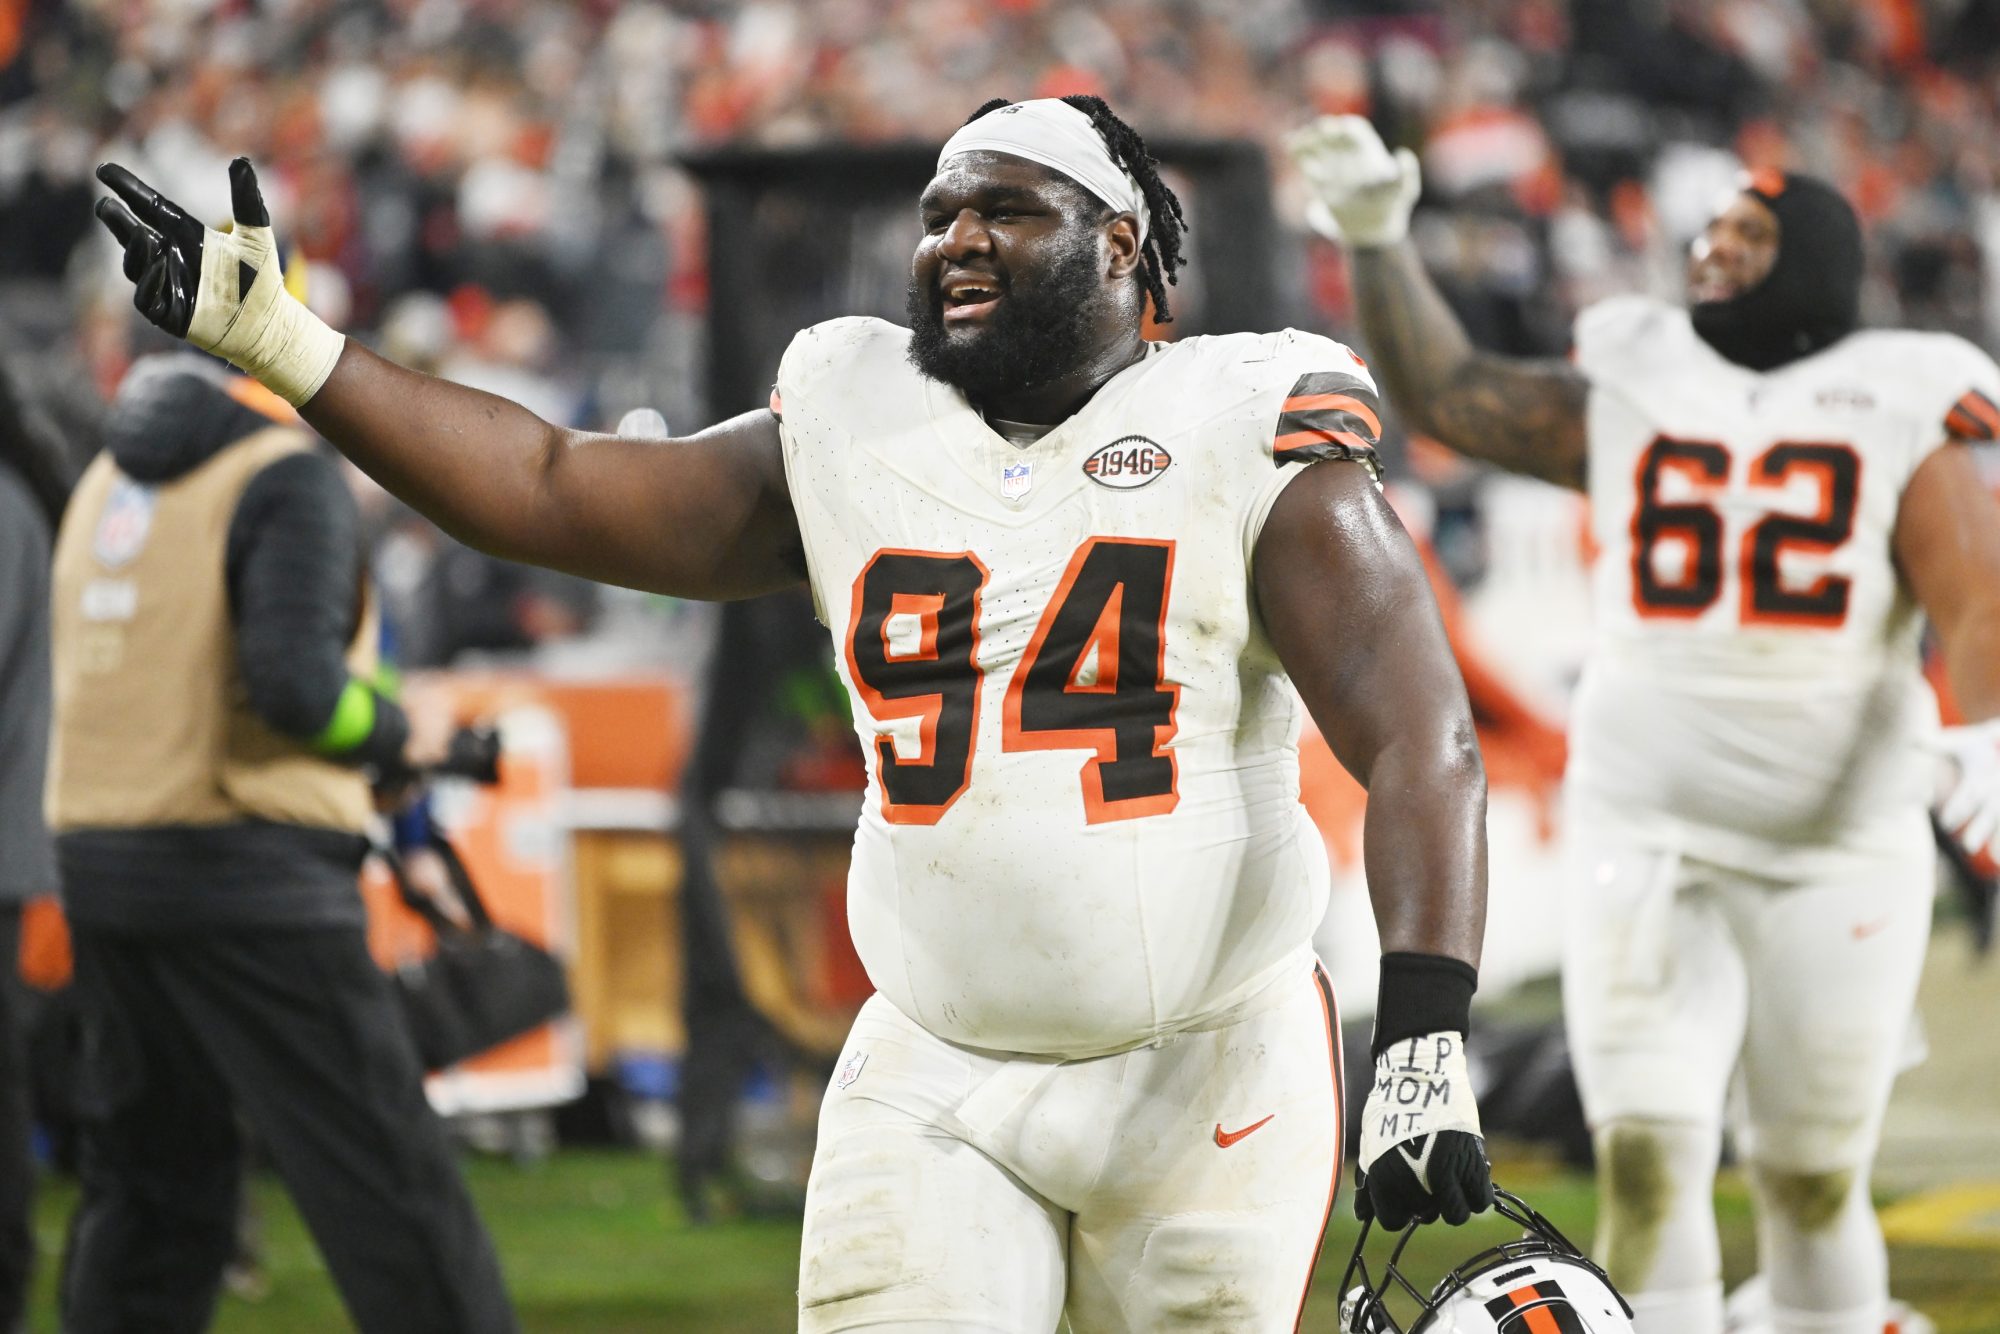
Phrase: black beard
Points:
(1041, 331)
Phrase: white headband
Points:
(1060, 137)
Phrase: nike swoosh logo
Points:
(1863, 930)
(1225, 1138)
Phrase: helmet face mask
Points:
(1538, 1284)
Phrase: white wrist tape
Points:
(263, 330)
(1422, 1086)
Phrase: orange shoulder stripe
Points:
(1344, 402)
(1980, 408)
(1306, 439)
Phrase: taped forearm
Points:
(284, 346)
(243, 311)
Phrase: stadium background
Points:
(595, 208)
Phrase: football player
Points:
(1072, 577)
(1778, 498)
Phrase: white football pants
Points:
(1690, 987)
(1677, 972)
(1182, 1186)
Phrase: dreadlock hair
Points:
(1162, 256)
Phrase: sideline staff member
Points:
(32, 487)
(213, 639)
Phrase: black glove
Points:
(163, 244)
(1440, 1175)
(224, 292)
(1422, 1156)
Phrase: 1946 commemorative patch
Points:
(1127, 463)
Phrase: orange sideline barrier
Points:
(623, 732)
(516, 847)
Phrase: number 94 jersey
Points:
(1082, 829)
(1753, 694)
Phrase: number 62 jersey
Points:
(1082, 829)
(1753, 695)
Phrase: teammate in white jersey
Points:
(1777, 498)
(1068, 573)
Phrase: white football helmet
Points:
(1541, 1284)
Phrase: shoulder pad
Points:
(1970, 384)
(1330, 409)
(1943, 383)
(835, 347)
(1620, 326)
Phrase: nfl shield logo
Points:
(127, 518)
(1015, 479)
(851, 1071)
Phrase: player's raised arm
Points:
(705, 517)
(1343, 597)
(1522, 414)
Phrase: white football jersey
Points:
(1753, 691)
(1082, 829)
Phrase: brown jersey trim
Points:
(1329, 415)
(1973, 417)
(1330, 1011)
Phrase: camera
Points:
(473, 754)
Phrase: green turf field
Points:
(593, 1242)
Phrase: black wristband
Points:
(1419, 994)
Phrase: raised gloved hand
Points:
(224, 292)
(1972, 808)
(1362, 193)
(1422, 1156)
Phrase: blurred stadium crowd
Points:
(491, 189)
